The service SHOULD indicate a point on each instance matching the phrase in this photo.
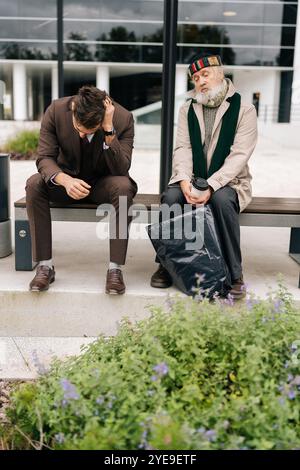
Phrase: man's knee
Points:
(122, 186)
(172, 195)
(34, 185)
(224, 198)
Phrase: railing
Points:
(151, 113)
(277, 113)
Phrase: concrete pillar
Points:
(181, 86)
(102, 77)
(295, 109)
(20, 92)
(54, 82)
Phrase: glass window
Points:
(28, 29)
(243, 56)
(236, 13)
(74, 78)
(28, 8)
(6, 95)
(237, 35)
(125, 32)
(38, 91)
(28, 51)
(115, 9)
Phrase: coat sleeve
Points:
(118, 155)
(182, 166)
(240, 151)
(48, 147)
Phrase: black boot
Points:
(161, 278)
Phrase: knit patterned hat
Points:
(204, 60)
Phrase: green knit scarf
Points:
(225, 141)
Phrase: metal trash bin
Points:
(5, 223)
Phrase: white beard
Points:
(204, 98)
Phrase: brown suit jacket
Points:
(59, 144)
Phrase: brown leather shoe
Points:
(114, 282)
(238, 289)
(161, 278)
(43, 278)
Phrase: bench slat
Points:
(258, 205)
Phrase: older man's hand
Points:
(186, 186)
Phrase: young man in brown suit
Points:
(216, 135)
(84, 153)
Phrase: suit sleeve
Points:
(240, 151)
(48, 147)
(118, 155)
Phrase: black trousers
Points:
(226, 209)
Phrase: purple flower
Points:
(144, 444)
(41, 369)
(154, 378)
(290, 377)
(200, 278)
(100, 400)
(216, 295)
(211, 435)
(161, 369)
(229, 300)
(278, 303)
(201, 430)
(70, 392)
(292, 395)
(60, 438)
(244, 286)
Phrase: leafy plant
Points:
(25, 142)
(196, 375)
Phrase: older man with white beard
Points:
(216, 135)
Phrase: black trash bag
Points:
(188, 248)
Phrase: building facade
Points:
(117, 46)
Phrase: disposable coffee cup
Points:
(199, 185)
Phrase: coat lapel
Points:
(199, 113)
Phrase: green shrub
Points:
(25, 142)
(195, 376)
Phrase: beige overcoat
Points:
(235, 170)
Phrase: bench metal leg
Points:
(23, 252)
(294, 250)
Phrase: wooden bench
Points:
(261, 212)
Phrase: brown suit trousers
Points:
(107, 189)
